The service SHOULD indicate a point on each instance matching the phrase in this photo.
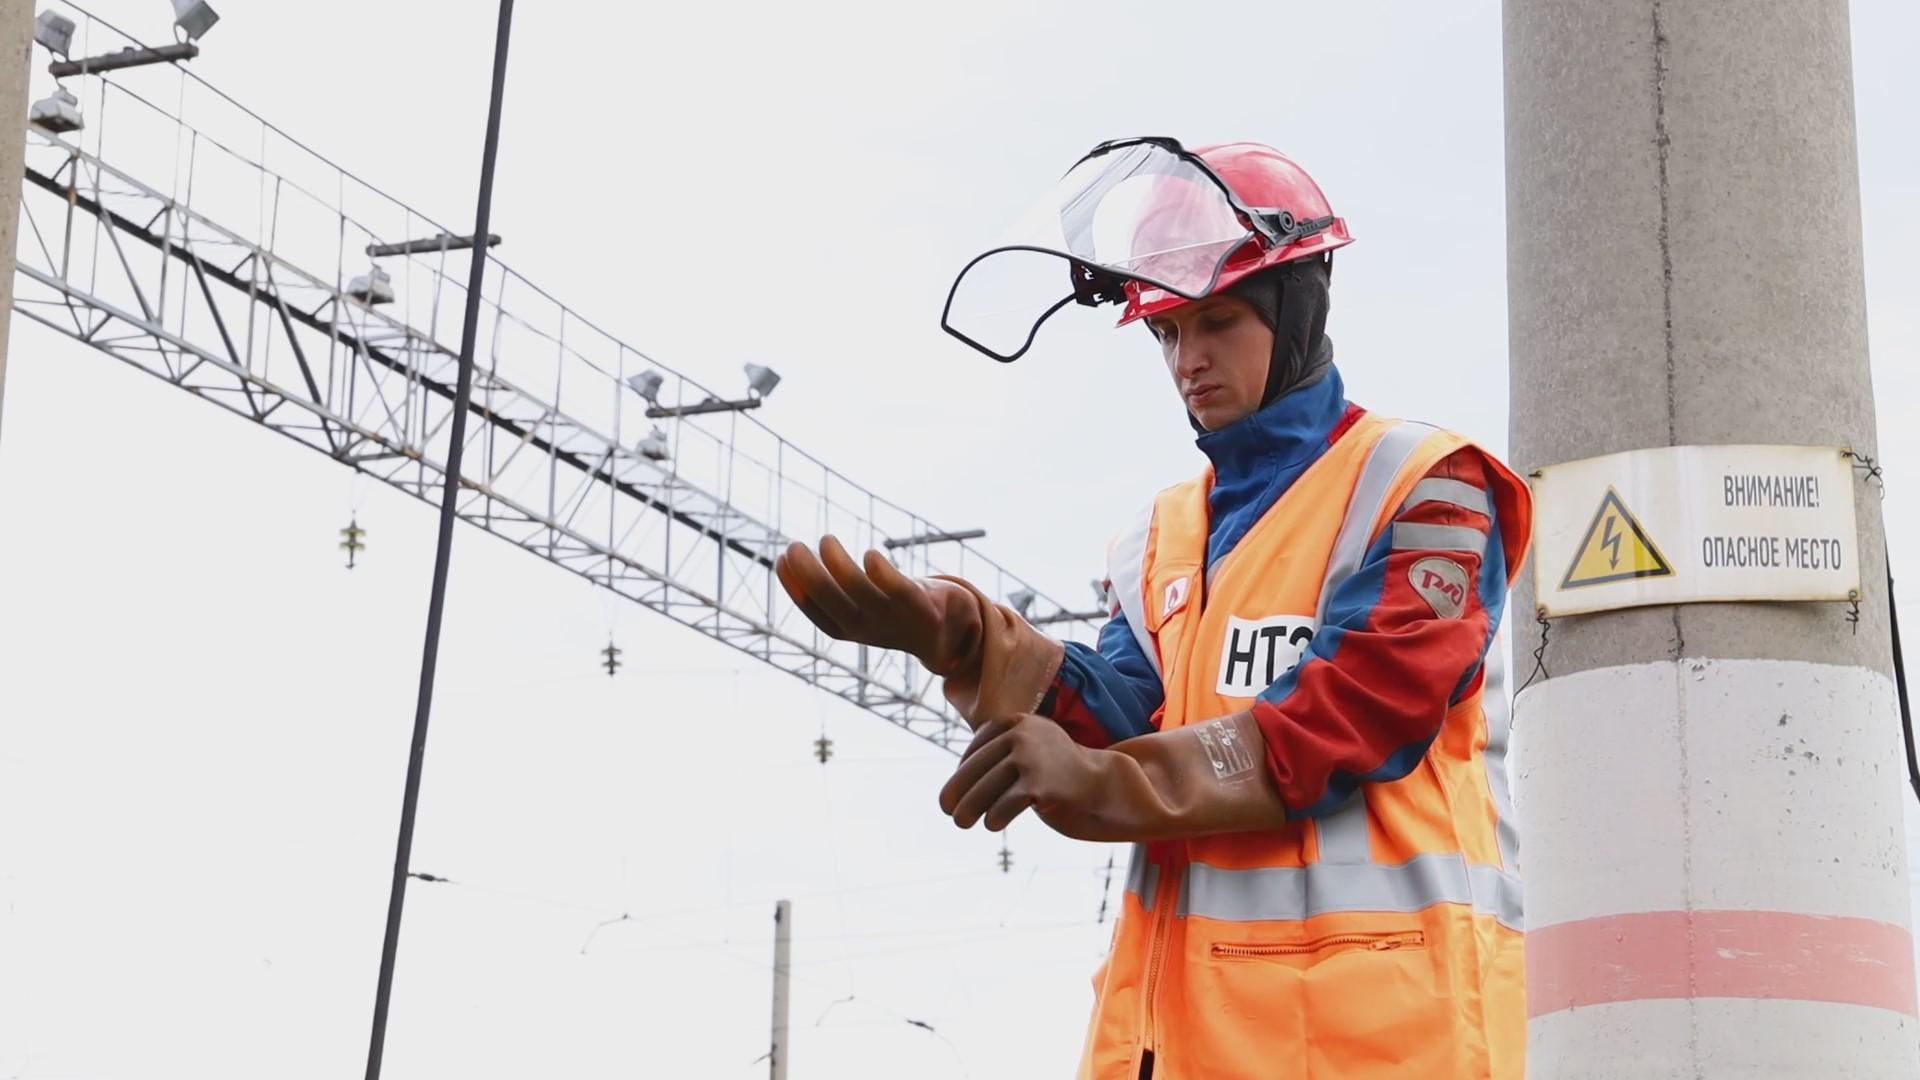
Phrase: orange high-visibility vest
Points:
(1381, 940)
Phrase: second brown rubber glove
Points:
(1193, 781)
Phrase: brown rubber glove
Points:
(992, 661)
(1016, 664)
(1192, 781)
(936, 621)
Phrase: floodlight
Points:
(654, 446)
(373, 287)
(647, 384)
(761, 380)
(58, 112)
(55, 31)
(194, 17)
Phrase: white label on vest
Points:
(1176, 597)
(1256, 652)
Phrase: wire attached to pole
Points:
(449, 499)
(1900, 683)
(1874, 473)
(1540, 652)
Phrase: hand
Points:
(937, 621)
(1198, 780)
(1021, 761)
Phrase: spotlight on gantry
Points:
(761, 380)
(55, 31)
(654, 446)
(194, 17)
(647, 384)
(373, 287)
(58, 112)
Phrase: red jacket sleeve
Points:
(1404, 640)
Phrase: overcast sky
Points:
(206, 715)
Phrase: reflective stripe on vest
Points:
(1343, 832)
(1411, 536)
(1143, 876)
(1499, 713)
(1384, 463)
(1126, 566)
(1296, 893)
(1456, 492)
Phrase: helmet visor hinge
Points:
(1093, 286)
(1281, 227)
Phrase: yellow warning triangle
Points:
(1616, 548)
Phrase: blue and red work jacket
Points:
(1371, 689)
(1378, 933)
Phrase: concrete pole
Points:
(16, 52)
(782, 971)
(1709, 795)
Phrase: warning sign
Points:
(1687, 524)
(1616, 549)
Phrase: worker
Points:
(1295, 712)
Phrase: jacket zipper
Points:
(1373, 942)
(1163, 903)
(1167, 893)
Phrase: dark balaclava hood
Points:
(1292, 300)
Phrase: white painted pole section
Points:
(1709, 796)
(782, 969)
(1719, 905)
(16, 52)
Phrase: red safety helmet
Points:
(1270, 182)
(1143, 222)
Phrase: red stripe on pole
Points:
(1720, 954)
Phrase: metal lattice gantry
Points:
(221, 256)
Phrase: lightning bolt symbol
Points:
(1611, 541)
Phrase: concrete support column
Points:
(1709, 796)
(16, 52)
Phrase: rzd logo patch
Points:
(1442, 583)
(1255, 652)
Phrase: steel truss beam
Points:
(259, 322)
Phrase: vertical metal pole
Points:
(449, 501)
(1710, 795)
(782, 968)
(16, 52)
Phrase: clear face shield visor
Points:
(1135, 210)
